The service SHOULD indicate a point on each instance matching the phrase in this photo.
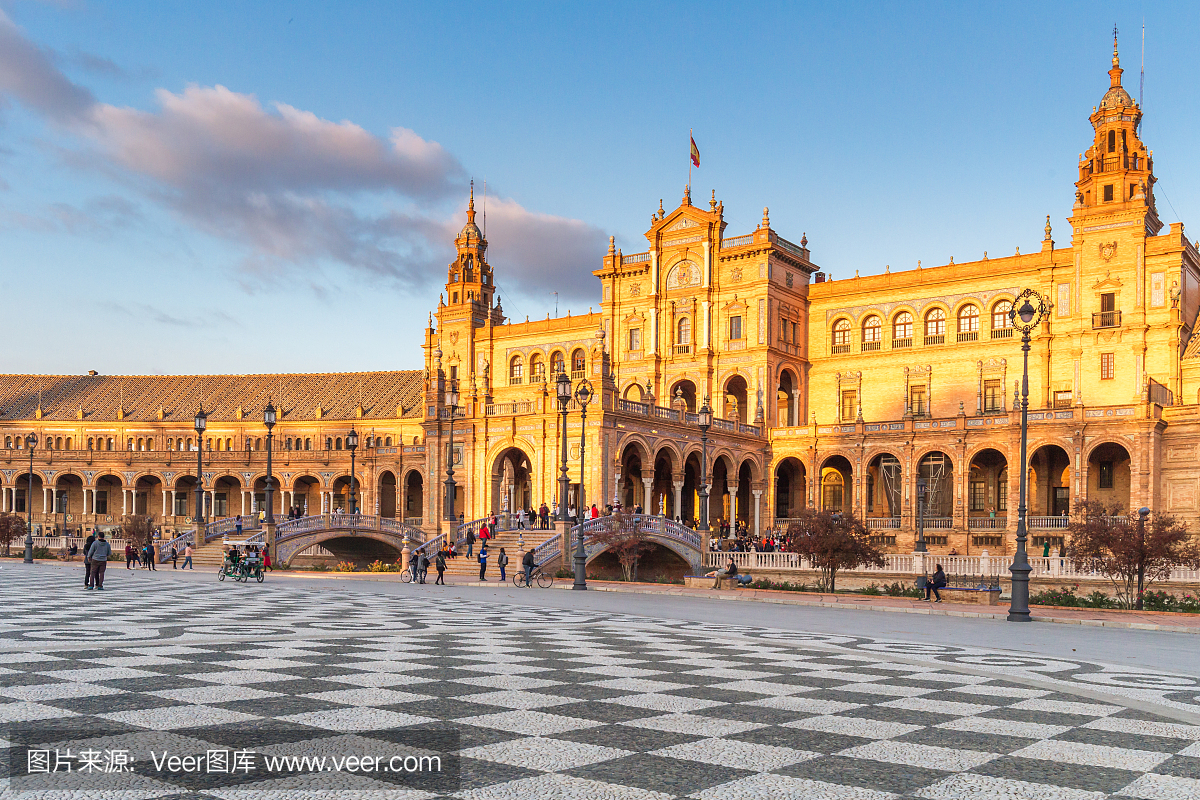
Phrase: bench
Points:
(702, 582)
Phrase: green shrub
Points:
(563, 572)
(873, 590)
(785, 586)
(903, 590)
(1098, 599)
(1159, 601)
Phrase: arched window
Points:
(578, 364)
(902, 329)
(537, 368)
(387, 441)
(1112, 141)
(308, 444)
(557, 363)
(832, 486)
(258, 444)
(91, 443)
(129, 444)
(208, 444)
(8, 442)
(50, 442)
(110, 443)
(841, 336)
(149, 444)
(968, 323)
(1001, 321)
(935, 326)
(229, 444)
(683, 332)
(337, 443)
(516, 370)
(872, 333)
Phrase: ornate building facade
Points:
(860, 395)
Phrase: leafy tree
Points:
(1105, 540)
(831, 542)
(627, 536)
(12, 529)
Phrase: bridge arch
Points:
(351, 537)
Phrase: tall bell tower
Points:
(1116, 174)
(469, 277)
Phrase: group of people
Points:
(143, 556)
(254, 554)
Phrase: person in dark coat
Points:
(439, 564)
(470, 543)
(502, 562)
(87, 562)
(938, 581)
(483, 555)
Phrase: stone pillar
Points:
(796, 418)
(405, 553)
(678, 498)
(124, 501)
(270, 537)
(733, 509)
(757, 513)
(648, 498)
(568, 552)
(164, 503)
(243, 494)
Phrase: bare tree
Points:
(1105, 540)
(12, 528)
(139, 529)
(832, 542)
(627, 537)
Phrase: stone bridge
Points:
(679, 539)
(353, 533)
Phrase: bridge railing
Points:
(228, 527)
(646, 523)
(430, 548)
(548, 550)
(362, 522)
(505, 521)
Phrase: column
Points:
(243, 494)
(164, 503)
(796, 407)
(678, 498)
(124, 500)
(616, 493)
(733, 509)
(4, 499)
(757, 512)
(648, 495)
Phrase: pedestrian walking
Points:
(87, 562)
(595, 511)
(267, 559)
(187, 556)
(130, 558)
(439, 563)
(521, 519)
(527, 564)
(937, 582)
(502, 562)
(150, 556)
(423, 565)
(544, 515)
(174, 557)
(133, 554)
(98, 554)
(238, 524)
(470, 543)
(483, 554)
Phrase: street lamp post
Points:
(583, 395)
(269, 421)
(1143, 512)
(705, 418)
(201, 424)
(563, 385)
(922, 488)
(452, 405)
(1026, 313)
(30, 444)
(352, 443)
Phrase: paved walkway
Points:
(1109, 618)
(526, 699)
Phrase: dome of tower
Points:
(1116, 97)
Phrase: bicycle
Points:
(544, 579)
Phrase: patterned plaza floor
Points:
(521, 701)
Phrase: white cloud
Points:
(295, 192)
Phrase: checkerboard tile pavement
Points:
(602, 709)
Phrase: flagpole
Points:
(691, 137)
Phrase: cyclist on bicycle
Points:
(527, 564)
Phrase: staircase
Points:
(463, 566)
(207, 555)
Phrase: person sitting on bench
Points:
(730, 571)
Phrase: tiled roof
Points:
(383, 395)
(1193, 346)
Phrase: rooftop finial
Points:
(1116, 58)
(687, 194)
(712, 203)
(612, 245)
(804, 240)
(471, 204)
(661, 213)
(766, 223)
(1047, 228)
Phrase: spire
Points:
(687, 195)
(471, 205)
(1047, 237)
(712, 204)
(1114, 74)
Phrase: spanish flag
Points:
(695, 152)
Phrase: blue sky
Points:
(248, 187)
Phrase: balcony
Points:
(578, 374)
(988, 523)
(839, 349)
(968, 336)
(683, 349)
(870, 347)
(1002, 333)
(1106, 319)
(937, 338)
(898, 344)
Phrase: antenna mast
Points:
(1142, 79)
(485, 196)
